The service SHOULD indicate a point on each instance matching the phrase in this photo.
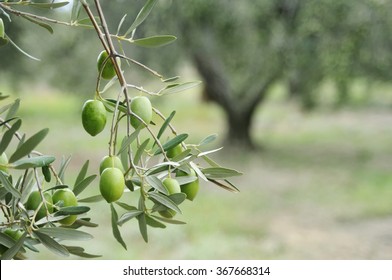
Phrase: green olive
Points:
(109, 70)
(141, 106)
(190, 189)
(110, 161)
(112, 184)
(35, 200)
(93, 116)
(69, 199)
(175, 151)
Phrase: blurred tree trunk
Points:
(239, 111)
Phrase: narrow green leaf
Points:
(13, 109)
(6, 240)
(182, 180)
(39, 22)
(76, 8)
(171, 79)
(11, 252)
(33, 162)
(66, 233)
(143, 226)
(179, 87)
(140, 151)
(220, 172)
(85, 222)
(8, 186)
(172, 143)
(164, 200)
(7, 136)
(121, 23)
(51, 244)
(177, 198)
(126, 206)
(210, 161)
(154, 41)
(58, 187)
(198, 171)
(79, 251)
(82, 173)
(228, 186)
(29, 145)
(112, 103)
(128, 141)
(164, 126)
(154, 223)
(209, 152)
(128, 216)
(63, 166)
(2, 97)
(169, 221)
(91, 199)
(22, 51)
(79, 188)
(142, 15)
(157, 184)
(208, 139)
(115, 230)
(53, 5)
(72, 210)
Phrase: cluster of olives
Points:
(64, 196)
(112, 181)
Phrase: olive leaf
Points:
(128, 216)
(170, 89)
(82, 173)
(143, 226)
(65, 233)
(33, 162)
(51, 244)
(28, 146)
(142, 15)
(83, 184)
(11, 252)
(172, 143)
(7, 136)
(8, 186)
(164, 200)
(115, 230)
(154, 41)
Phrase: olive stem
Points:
(24, 14)
(41, 193)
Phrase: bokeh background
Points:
(299, 92)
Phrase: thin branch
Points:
(41, 18)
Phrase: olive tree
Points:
(147, 157)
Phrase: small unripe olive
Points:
(190, 189)
(171, 185)
(108, 71)
(175, 151)
(35, 200)
(112, 184)
(93, 117)
(110, 161)
(141, 106)
(69, 199)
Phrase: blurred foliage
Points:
(240, 48)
